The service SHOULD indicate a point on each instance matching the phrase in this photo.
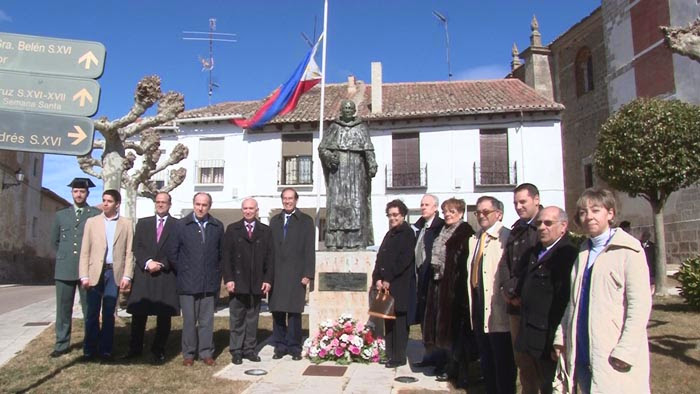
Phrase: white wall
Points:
(450, 151)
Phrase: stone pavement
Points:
(286, 376)
(24, 317)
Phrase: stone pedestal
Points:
(341, 286)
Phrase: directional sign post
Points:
(34, 105)
(66, 96)
(45, 55)
(35, 132)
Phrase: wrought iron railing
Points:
(495, 174)
(406, 178)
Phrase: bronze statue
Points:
(347, 156)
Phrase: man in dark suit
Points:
(295, 265)
(545, 293)
(154, 291)
(196, 254)
(67, 238)
(427, 229)
(248, 272)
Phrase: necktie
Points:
(542, 253)
(250, 230)
(78, 212)
(284, 228)
(420, 247)
(201, 229)
(159, 230)
(476, 264)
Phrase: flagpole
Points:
(319, 169)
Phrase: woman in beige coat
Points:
(603, 334)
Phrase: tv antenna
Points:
(211, 36)
(443, 20)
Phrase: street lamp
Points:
(19, 177)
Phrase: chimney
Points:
(352, 87)
(376, 87)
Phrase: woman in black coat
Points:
(447, 303)
(395, 271)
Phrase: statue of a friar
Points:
(347, 157)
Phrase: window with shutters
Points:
(494, 166)
(296, 167)
(211, 170)
(406, 170)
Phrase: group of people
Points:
(170, 266)
(524, 300)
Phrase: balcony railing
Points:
(295, 170)
(495, 174)
(406, 179)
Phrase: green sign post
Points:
(45, 55)
(36, 132)
(65, 96)
(34, 106)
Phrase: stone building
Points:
(28, 210)
(609, 58)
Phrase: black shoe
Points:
(424, 364)
(132, 355)
(87, 358)
(442, 377)
(236, 359)
(277, 356)
(59, 353)
(296, 357)
(394, 364)
(252, 357)
(158, 358)
(106, 358)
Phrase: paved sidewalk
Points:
(21, 324)
(286, 376)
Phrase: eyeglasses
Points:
(393, 215)
(547, 223)
(484, 212)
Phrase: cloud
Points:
(489, 71)
(59, 170)
(4, 17)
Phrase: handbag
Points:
(382, 305)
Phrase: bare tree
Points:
(684, 40)
(131, 136)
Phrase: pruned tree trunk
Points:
(660, 247)
(684, 40)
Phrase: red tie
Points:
(250, 230)
(159, 230)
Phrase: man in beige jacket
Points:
(489, 319)
(106, 266)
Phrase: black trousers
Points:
(495, 352)
(396, 337)
(286, 332)
(138, 327)
(244, 311)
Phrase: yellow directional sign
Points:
(43, 93)
(35, 132)
(47, 55)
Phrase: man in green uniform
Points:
(67, 237)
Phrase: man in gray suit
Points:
(295, 264)
(67, 238)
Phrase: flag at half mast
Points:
(285, 98)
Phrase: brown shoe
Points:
(209, 361)
(187, 362)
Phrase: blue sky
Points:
(145, 37)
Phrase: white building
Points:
(463, 139)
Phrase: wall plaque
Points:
(342, 281)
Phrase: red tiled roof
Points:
(401, 101)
